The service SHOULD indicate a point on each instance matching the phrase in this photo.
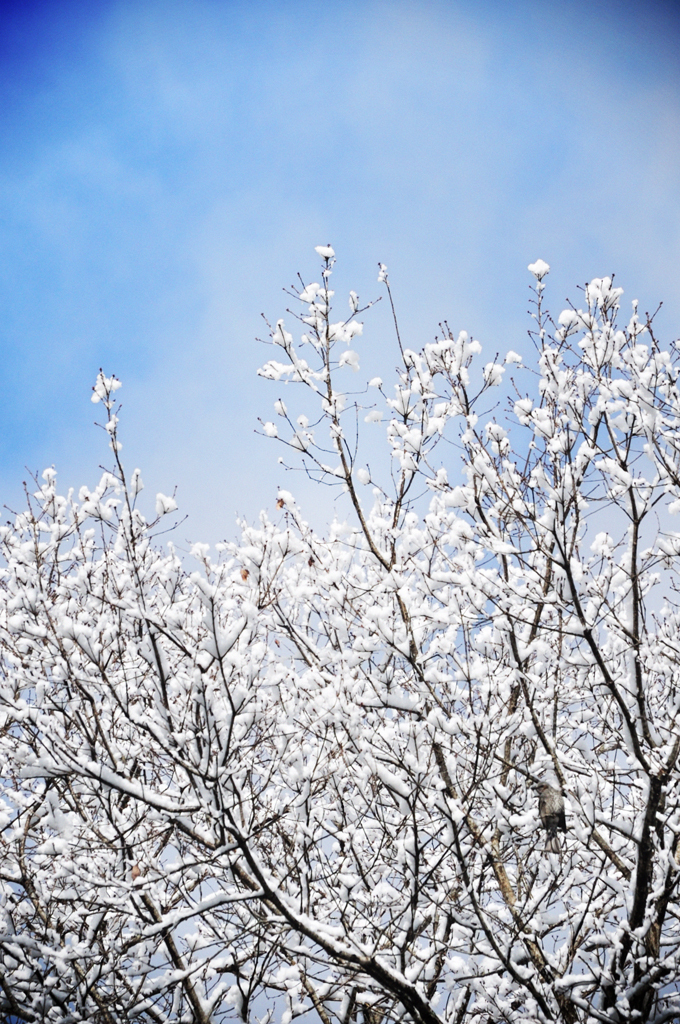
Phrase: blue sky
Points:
(166, 168)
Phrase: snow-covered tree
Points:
(300, 777)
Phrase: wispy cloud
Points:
(169, 167)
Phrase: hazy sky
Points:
(166, 168)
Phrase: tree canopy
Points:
(298, 776)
